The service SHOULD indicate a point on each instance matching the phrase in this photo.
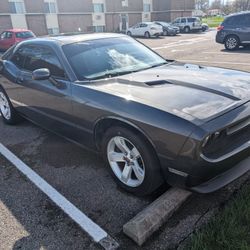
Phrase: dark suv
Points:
(234, 31)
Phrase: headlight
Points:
(211, 138)
(205, 141)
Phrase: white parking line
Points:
(222, 53)
(181, 43)
(177, 50)
(91, 228)
(199, 61)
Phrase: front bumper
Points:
(207, 176)
(223, 179)
(217, 167)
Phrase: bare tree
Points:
(241, 5)
(216, 4)
(202, 4)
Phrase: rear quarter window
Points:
(193, 19)
(237, 20)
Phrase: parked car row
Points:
(11, 37)
(158, 28)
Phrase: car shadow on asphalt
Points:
(242, 50)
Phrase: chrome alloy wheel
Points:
(231, 43)
(4, 106)
(126, 161)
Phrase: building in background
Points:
(53, 16)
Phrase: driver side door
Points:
(46, 102)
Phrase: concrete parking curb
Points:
(144, 224)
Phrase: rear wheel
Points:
(232, 42)
(165, 33)
(186, 29)
(129, 33)
(146, 34)
(132, 161)
(7, 111)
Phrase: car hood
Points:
(174, 27)
(190, 91)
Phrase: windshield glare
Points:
(109, 57)
(24, 34)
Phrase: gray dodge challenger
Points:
(152, 119)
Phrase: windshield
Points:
(109, 57)
(164, 24)
(24, 34)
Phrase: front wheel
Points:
(132, 161)
(146, 34)
(7, 111)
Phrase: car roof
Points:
(16, 30)
(238, 13)
(65, 39)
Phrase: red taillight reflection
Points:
(220, 27)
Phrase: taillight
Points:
(219, 28)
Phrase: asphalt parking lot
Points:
(29, 220)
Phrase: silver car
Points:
(146, 29)
(187, 24)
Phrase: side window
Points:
(183, 20)
(18, 57)
(9, 35)
(3, 35)
(248, 20)
(177, 20)
(235, 20)
(191, 20)
(238, 20)
(245, 20)
(229, 21)
(42, 57)
(143, 25)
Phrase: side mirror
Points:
(41, 74)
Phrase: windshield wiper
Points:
(110, 75)
(114, 74)
(157, 65)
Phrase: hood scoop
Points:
(158, 82)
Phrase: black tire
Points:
(165, 33)
(232, 42)
(146, 34)
(153, 178)
(13, 117)
(186, 29)
(129, 33)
